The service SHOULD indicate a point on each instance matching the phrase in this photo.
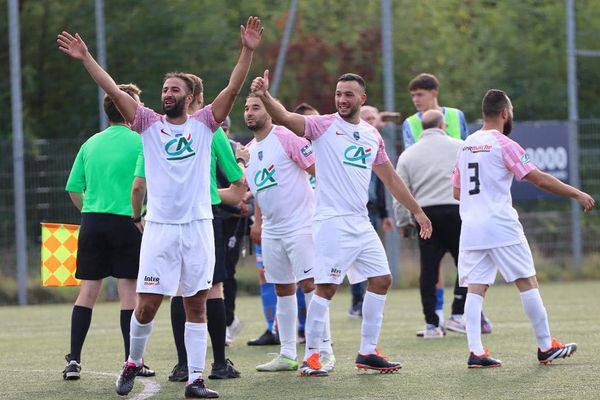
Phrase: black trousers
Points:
(446, 224)
(232, 227)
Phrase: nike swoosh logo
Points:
(208, 282)
(339, 133)
(306, 271)
(164, 132)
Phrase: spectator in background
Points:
(426, 168)
(424, 90)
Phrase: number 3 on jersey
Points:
(474, 178)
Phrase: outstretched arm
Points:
(251, 34)
(551, 184)
(75, 47)
(294, 122)
(396, 186)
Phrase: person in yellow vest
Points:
(424, 90)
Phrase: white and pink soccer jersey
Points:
(277, 178)
(177, 165)
(345, 154)
(484, 172)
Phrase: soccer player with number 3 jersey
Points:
(492, 237)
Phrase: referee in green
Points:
(109, 243)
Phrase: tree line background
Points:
(471, 45)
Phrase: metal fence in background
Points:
(48, 162)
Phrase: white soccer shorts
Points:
(481, 266)
(350, 246)
(177, 253)
(288, 260)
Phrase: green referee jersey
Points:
(221, 154)
(103, 171)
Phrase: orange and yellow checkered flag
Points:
(59, 254)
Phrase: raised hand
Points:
(251, 33)
(260, 85)
(72, 45)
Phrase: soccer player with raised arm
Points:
(177, 245)
(346, 150)
(283, 197)
(492, 238)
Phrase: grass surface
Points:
(34, 339)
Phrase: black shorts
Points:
(220, 273)
(108, 245)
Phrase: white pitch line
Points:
(150, 387)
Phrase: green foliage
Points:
(516, 45)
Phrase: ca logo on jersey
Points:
(356, 156)
(264, 178)
(179, 148)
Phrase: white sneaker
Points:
(433, 332)
(455, 324)
(279, 363)
(232, 331)
(327, 361)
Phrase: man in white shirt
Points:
(492, 237)
(283, 201)
(346, 150)
(178, 244)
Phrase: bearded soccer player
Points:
(177, 245)
(492, 237)
(346, 150)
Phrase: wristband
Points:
(136, 220)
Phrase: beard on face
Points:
(507, 128)
(176, 109)
(352, 111)
(258, 125)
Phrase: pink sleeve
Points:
(297, 148)
(206, 117)
(455, 178)
(515, 157)
(316, 125)
(143, 119)
(381, 157)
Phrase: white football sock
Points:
(195, 345)
(536, 312)
(315, 324)
(372, 317)
(472, 320)
(138, 337)
(440, 314)
(287, 313)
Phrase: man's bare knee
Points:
(326, 290)
(147, 307)
(380, 284)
